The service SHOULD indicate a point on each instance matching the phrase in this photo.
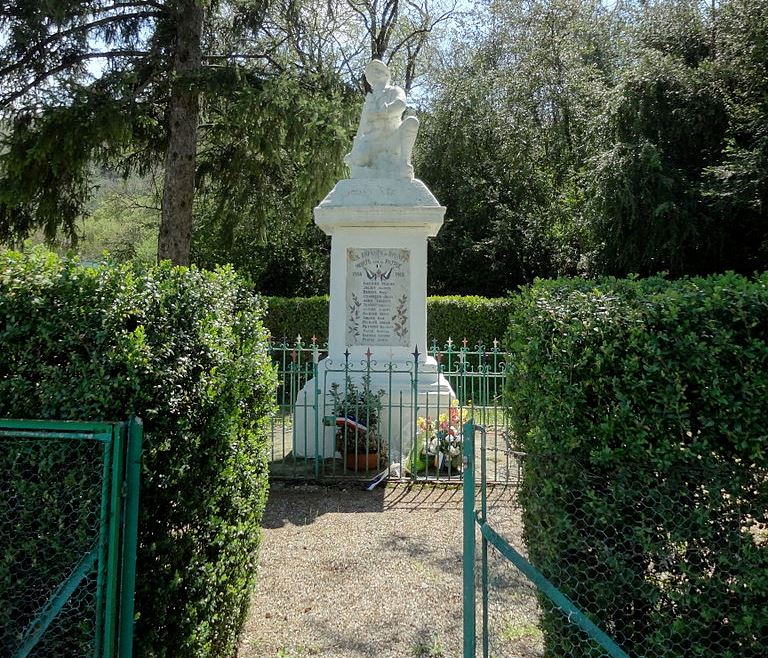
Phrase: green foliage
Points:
(261, 173)
(287, 318)
(645, 193)
(504, 142)
(737, 185)
(478, 319)
(185, 350)
(642, 406)
(124, 221)
(574, 138)
(270, 132)
(289, 261)
(45, 163)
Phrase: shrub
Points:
(642, 405)
(289, 317)
(478, 319)
(185, 350)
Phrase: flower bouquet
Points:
(439, 442)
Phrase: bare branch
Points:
(129, 5)
(366, 16)
(39, 48)
(423, 32)
(219, 58)
(69, 62)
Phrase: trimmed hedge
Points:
(186, 351)
(289, 317)
(479, 319)
(643, 405)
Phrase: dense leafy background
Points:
(565, 138)
(591, 139)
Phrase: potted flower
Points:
(358, 413)
(439, 442)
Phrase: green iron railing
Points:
(476, 374)
(69, 495)
(521, 594)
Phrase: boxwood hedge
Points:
(186, 351)
(479, 319)
(642, 405)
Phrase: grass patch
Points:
(519, 631)
(433, 648)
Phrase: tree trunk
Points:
(179, 187)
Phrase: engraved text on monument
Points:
(378, 297)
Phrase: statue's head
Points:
(377, 74)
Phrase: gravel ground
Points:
(345, 573)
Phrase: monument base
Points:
(409, 393)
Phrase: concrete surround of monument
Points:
(379, 220)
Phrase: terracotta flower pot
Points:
(362, 461)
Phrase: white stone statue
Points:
(384, 140)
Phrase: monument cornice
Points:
(428, 219)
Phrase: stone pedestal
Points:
(378, 309)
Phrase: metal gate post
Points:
(130, 537)
(319, 426)
(470, 638)
(112, 585)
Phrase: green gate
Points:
(513, 594)
(68, 524)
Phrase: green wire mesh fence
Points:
(68, 519)
(635, 561)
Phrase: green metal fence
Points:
(68, 526)
(661, 560)
(514, 597)
(476, 374)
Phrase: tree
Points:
(398, 30)
(681, 183)
(140, 85)
(250, 211)
(645, 191)
(97, 81)
(737, 185)
(175, 238)
(139, 108)
(506, 139)
(577, 138)
(260, 175)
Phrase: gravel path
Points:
(345, 573)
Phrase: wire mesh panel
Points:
(515, 610)
(516, 600)
(512, 610)
(50, 520)
(66, 558)
(668, 561)
(671, 559)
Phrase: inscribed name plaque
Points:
(378, 291)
